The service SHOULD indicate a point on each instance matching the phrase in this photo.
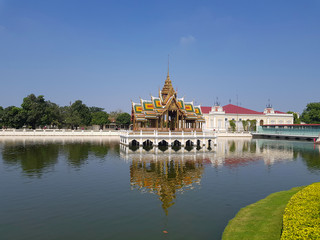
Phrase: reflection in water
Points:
(34, 159)
(310, 155)
(78, 153)
(234, 153)
(166, 172)
(37, 155)
(241, 152)
(165, 177)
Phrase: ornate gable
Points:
(147, 105)
(181, 103)
(189, 107)
(157, 102)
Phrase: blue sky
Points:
(109, 52)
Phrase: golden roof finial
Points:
(167, 88)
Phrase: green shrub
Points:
(301, 219)
(232, 125)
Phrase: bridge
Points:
(309, 132)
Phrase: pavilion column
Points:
(167, 120)
(162, 121)
(177, 120)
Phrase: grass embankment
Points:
(261, 220)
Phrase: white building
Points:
(218, 117)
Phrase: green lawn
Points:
(261, 220)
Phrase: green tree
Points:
(312, 113)
(1, 116)
(77, 114)
(13, 117)
(123, 119)
(95, 109)
(253, 125)
(232, 125)
(54, 115)
(296, 119)
(35, 109)
(100, 118)
(245, 124)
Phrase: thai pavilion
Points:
(167, 112)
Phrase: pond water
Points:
(95, 189)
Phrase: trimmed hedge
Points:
(301, 219)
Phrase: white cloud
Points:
(184, 41)
(2, 28)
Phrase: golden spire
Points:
(167, 88)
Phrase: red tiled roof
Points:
(230, 108)
(233, 109)
(205, 110)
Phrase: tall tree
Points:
(35, 109)
(53, 115)
(13, 117)
(296, 119)
(123, 119)
(312, 113)
(77, 114)
(100, 118)
(95, 109)
(1, 115)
